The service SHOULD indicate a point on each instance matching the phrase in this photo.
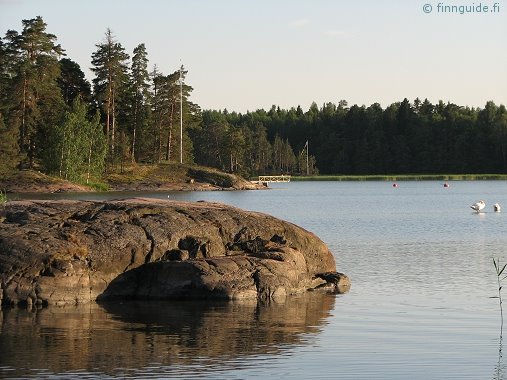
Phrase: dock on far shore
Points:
(266, 179)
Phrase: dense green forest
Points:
(54, 120)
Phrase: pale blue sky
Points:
(244, 55)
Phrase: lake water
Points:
(420, 262)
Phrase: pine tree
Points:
(73, 83)
(140, 88)
(110, 67)
(210, 140)
(167, 106)
(35, 102)
(170, 94)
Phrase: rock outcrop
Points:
(63, 252)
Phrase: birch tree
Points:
(79, 146)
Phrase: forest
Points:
(54, 120)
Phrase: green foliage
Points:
(72, 82)
(140, 96)
(403, 177)
(166, 108)
(240, 144)
(3, 197)
(404, 138)
(34, 102)
(9, 151)
(141, 116)
(77, 146)
(110, 87)
(98, 186)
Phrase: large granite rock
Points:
(61, 252)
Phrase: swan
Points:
(496, 207)
(478, 206)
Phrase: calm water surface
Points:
(421, 267)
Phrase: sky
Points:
(243, 55)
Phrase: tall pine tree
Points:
(111, 77)
(140, 90)
(34, 101)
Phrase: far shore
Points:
(403, 177)
(35, 182)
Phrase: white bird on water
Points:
(496, 207)
(478, 206)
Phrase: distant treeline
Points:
(405, 137)
(52, 119)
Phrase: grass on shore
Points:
(403, 177)
(163, 172)
(3, 197)
(96, 185)
(125, 177)
(168, 172)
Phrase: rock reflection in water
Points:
(115, 337)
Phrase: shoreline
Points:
(141, 178)
(404, 177)
(36, 182)
(69, 187)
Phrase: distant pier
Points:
(266, 179)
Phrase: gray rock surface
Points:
(66, 252)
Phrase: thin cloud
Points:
(299, 23)
(334, 33)
(11, 2)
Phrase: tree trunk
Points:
(217, 147)
(23, 112)
(108, 121)
(134, 130)
(113, 124)
(89, 161)
(61, 156)
(159, 150)
(67, 164)
(169, 135)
